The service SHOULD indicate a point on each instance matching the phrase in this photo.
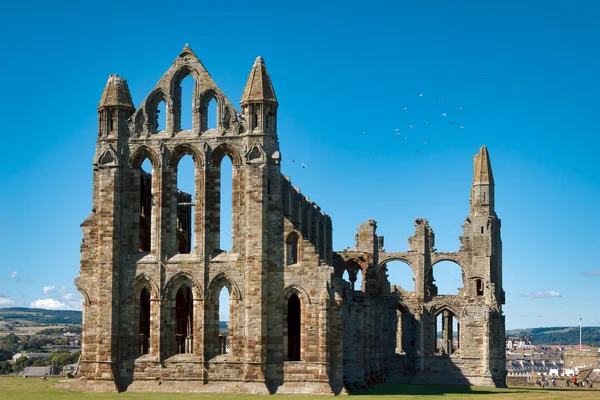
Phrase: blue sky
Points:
(338, 69)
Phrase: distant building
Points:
(31, 372)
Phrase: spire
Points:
(482, 189)
(482, 170)
(258, 87)
(116, 93)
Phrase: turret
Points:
(115, 108)
(482, 190)
(259, 104)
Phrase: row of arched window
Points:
(446, 332)
(181, 339)
(189, 110)
(187, 205)
(448, 277)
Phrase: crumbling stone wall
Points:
(409, 351)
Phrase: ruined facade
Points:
(152, 266)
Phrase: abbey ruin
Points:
(152, 266)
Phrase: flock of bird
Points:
(406, 138)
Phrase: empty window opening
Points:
(144, 325)
(482, 230)
(224, 321)
(146, 203)
(455, 334)
(448, 277)
(161, 117)
(184, 316)
(484, 197)
(226, 210)
(401, 275)
(186, 102)
(291, 248)
(211, 114)
(479, 284)
(346, 276)
(185, 197)
(293, 323)
(439, 332)
(447, 333)
(399, 330)
(255, 118)
(359, 280)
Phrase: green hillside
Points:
(39, 316)
(567, 335)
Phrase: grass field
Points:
(16, 388)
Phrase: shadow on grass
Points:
(428, 390)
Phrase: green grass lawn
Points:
(17, 388)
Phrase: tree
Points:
(5, 368)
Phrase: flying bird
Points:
(418, 151)
(364, 132)
(444, 114)
(480, 74)
(459, 108)
(292, 161)
(451, 123)
(461, 127)
(404, 109)
(424, 142)
(410, 126)
(404, 139)
(441, 102)
(427, 122)
(304, 165)
(421, 95)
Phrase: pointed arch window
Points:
(184, 320)
(447, 333)
(144, 322)
(185, 94)
(146, 204)
(185, 199)
(291, 248)
(293, 328)
(400, 330)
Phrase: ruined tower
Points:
(471, 347)
(153, 264)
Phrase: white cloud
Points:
(48, 289)
(14, 274)
(591, 273)
(6, 302)
(63, 289)
(68, 296)
(50, 304)
(541, 295)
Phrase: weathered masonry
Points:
(152, 264)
